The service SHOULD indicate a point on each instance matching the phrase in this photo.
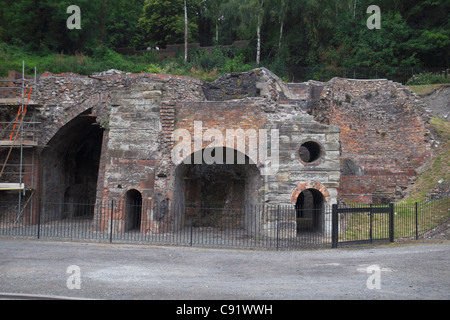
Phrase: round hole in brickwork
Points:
(310, 152)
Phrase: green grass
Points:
(423, 90)
(356, 226)
(13, 56)
(429, 212)
(438, 174)
(202, 65)
(429, 215)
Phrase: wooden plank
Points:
(11, 186)
(9, 143)
(15, 101)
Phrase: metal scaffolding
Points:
(18, 137)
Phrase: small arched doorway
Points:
(310, 211)
(133, 210)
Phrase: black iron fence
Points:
(273, 227)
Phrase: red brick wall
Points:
(221, 116)
(381, 132)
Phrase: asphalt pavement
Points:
(70, 270)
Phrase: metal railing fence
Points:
(271, 227)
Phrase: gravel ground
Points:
(117, 272)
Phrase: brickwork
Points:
(382, 132)
(370, 140)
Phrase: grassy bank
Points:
(207, 66)
(423, 90)
(437, 177)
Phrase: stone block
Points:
(154, 94)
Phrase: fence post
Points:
(371, 225)
(39, 219)
(417, 223)
(278, 222)
(111, 221)
(192, 217)
(391, 223)
(334, 226)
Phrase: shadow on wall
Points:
(70, 164)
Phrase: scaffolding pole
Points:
(20, 134)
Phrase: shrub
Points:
(153, 68)
(237, 64)
(429, 78)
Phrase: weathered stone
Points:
(155, 94)
(354, 125)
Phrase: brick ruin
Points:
(111, 136)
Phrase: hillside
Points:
(436, 97)
(206, 66)
(434, 182)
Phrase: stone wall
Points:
(138, 114)
(385, 139)
(350, 140)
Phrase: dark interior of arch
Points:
(309, 209)
(70, 165)
(133, 210)
(218, 188)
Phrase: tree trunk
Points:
(281, 33)
(186, 34)
(217, 31)
(258, 50)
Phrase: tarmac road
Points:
(118, 272)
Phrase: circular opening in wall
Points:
(310, 151)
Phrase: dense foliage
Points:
(288, 35)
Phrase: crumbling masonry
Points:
(111, 136)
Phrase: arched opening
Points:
(70, 165)
(310, 211)
(133, 210)
(217, 194)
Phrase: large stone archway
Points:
(219, 189)
(70, 165)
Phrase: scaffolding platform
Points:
(15, 102)
(12, 186)
(18, 129)
(19, 132)
(18, 144)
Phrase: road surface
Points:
(117, 272)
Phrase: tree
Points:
(42, 24)
(289, 33)
(186, 32)
(278, 10)
(163, 22)
(431, 37)
(122, 23)
(251, 16)
(214, 11)
(258, 28)
(385, 47)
